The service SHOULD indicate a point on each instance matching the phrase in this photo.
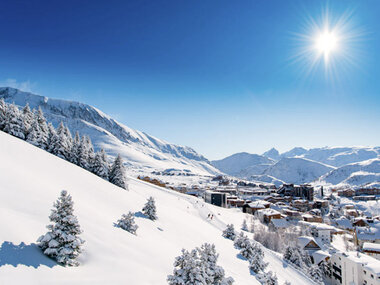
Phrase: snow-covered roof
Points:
(280, 223)
(268, 212)
(259, 204)
(371, 233)
(344, 223)
(304, 241)
(319, 256)
(371, 246)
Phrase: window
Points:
(365, 272)
(372, 276)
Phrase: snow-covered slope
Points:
(31, 180)
(297, 170)
(139, 149)
(355, 174)
(243, 164)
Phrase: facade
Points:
(216, 198)
(304, 191)
(372, 249)
(354, 268)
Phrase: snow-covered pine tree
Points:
(244, 226)
(186, 270)
(74, 153)
(241, 240)
(59, 144)
(3, 112)
(28, 119)
(247, 250)
(213, 274)
(90, 154)
(50, 135)
(198, 267)
(127, 223)
(34, 133)
(257, 263)
(45, 130)
(62, 241)
(69, 139)
(83, 153)
(101, 166)
(315, 273)
(149, 209)
(270, 278)
(229, 232)
(14, 124)
(117, 173)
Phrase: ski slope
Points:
(31, 180)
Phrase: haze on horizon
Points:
(219, 76)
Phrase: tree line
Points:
(31, 126)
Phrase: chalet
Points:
(266, 215)
(367, 234)
(312, 218)
(308, 243)
(367, 191)
(323, 232)
(253, 207)
(278, 225)
(343, 223)
(346, 193)
(372, 249)
(234, 201)
(360, 222)
(364, 198)
(292, 215)
(319, 256)
(301, 205)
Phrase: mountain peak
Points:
(272, 153)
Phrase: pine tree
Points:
(186, 270)
(244, 226)
(59, 144)
(198, 267)
(45, 129)
(149, 209)
(90, 154)
(28, 119)
(315, 273)
(241, 240)
(14, 124)
(270, 278)
(229, 232)
(247, 250)
(117, 173)
(101, 166)
(62, 241)
(127, 222)
(256, 263)
(74, 153)
(3, 113)
(213, 274)
(50, 135)
(83, 153)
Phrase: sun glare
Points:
(329, 40)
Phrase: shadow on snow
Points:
(22, 254)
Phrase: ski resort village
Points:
(190, 142)
(197, 222)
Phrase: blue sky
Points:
(219, 76)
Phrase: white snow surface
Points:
(31, 180)
(139, 149)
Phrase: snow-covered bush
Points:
(229, 232)
(149, 209)
(241, 240)
(315, 273)
(198, 267)
(244, 226)
(247, 250)
(269, 278)
(256, 262)
(127, 222)
(117, 173)
(62, 241)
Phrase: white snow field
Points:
(31, 180)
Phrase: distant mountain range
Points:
(139, 150)
(354, 166)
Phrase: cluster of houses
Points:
(361, 194)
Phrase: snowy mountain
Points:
(31, 180)
(297, 170)
(361, 173)
(243, 164)
(272, 154)
(139, 150)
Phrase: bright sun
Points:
(326, 43)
